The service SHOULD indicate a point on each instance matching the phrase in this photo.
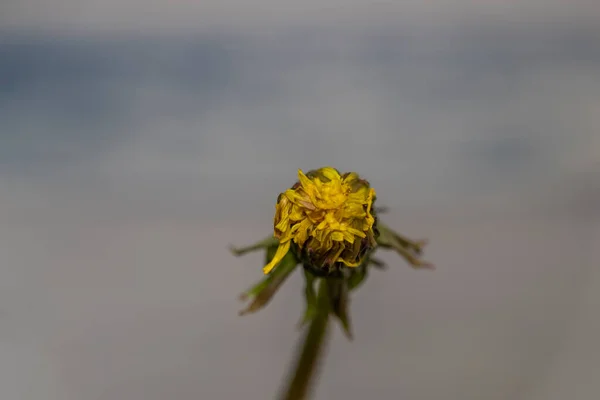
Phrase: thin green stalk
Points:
(298, 385)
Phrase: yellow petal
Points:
(351, 177)
(354, 210)
(305, 181)
(337, 236)
(359, 196)
(297, 214)
(279, 254)
(283, 224)
(292, 196)
(319, 235)
(349, 237)
(304, 228)
(330, 173)
(348, 263)
(356, 232)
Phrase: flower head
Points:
(327, 218)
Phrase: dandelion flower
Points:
(327, 219)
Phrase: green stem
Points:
(298, 385)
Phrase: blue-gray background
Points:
(139, 139)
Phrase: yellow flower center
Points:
(324, 214)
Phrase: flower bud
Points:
(327, 219)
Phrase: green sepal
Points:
(263, 244)
(357, 275)
(338, 293)
(408, 249)
(377, 263)
(269, 254)
(310, 297)
(263, 292)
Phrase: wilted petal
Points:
(281, 252)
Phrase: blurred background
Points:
(139, 139)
